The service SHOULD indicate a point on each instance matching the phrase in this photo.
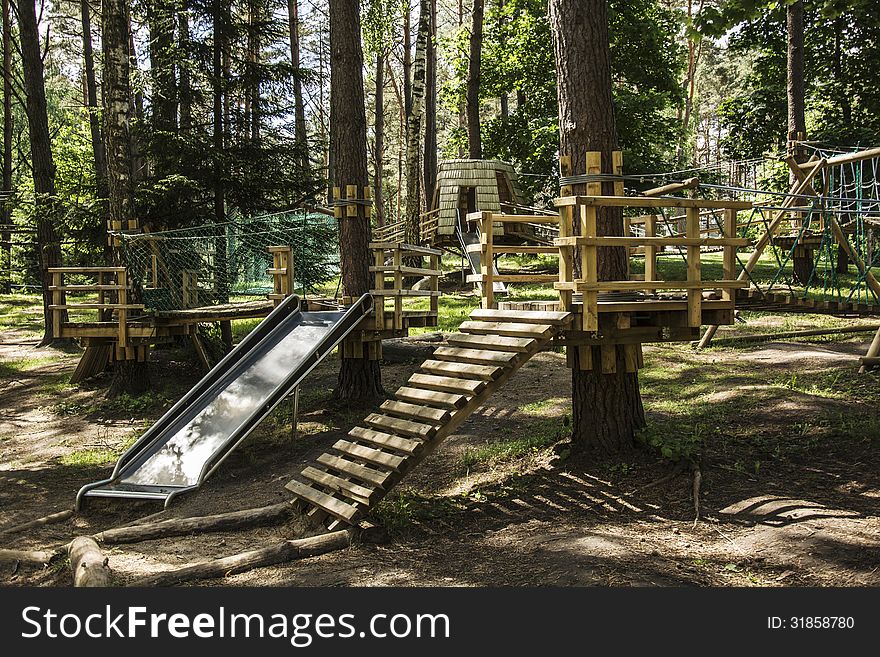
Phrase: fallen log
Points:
(238, 563)
(88, 565)
(30, 557)
(182, 526)
(61, 516)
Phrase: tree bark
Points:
(5, 211)
(607, 408)
(359, 378)
(429, 164)
(41, 156)
(407, 57)
(379, 132)
(475, 147)
(414, 130)
(299, 108)
(795, 79)
(88, 565)
(220, 125)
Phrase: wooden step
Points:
(400, 426)
(356, 470)
(492, 342)
(528, 316)
(474, 356)
(328, 503)
(462, 370)
(431, 398)
(369, 454)
(509, 329)
(447, 384)
(386, 440)
(415, 412)
(349, 489)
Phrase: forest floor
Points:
(786, 436)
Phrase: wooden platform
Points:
(344, 483)
(218, 313)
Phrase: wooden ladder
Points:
(345, 482)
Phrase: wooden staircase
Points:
(344, 483)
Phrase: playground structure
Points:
(601, 323)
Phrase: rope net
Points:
(227, 263)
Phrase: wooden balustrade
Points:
(392, 266)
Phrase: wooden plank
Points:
(431, 397)
(512, 278)
(408, 271)
(580, 286)
(415, 411)
(447, 384)
(508, 329)
(356, 470)
(370, 455)
(695, 297)
(386, 440)
(462, 370)
(331, 505)
(400, 426)
(652, 241)
(492, 342)
(84, 270)
(475, 356)
(529, 316)
(404, 246)
(97, 306)
(355, 492)
(405, 293)
(646, 202)
(84, 288)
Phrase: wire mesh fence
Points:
(222, 263)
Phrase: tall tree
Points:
(407, 57)
(360, 379)
(185, 92)
(163, 74)
(429, 165)
(91, 101)
(607, 408)
(42, 163)
(475, 147)
(796, 87)
(5, 212)
(414, 129)
(299, 108)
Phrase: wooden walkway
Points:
(753, 299)
(344, 483)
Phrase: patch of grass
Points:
(531, 438)
(135, 405)
(89, 457)
(542, 407)
(11, 368)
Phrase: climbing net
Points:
(228, 262)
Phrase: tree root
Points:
(61, 516)
(677, 470)
(698, 479)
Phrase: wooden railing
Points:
(390, 271)
(585, 245)
(109, 282)
(396, 232)
(487, 249)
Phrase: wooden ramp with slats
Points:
(344, 483)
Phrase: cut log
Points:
(88, 565)
(183, 526)
(61, 516)
(238, 563)
(30, 557)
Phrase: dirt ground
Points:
(786, 436)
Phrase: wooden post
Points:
(873, 351)
(379, 284)
(435, 284)
(695, 294)
(398, 287)
(650, 251)
(122, 277)
(487, 259)
(729, 258)
(589, 253)
(57, 297)
(566, 229)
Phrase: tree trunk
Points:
(429, 164)
(407, 57)
(607, 408)
(41, 155)
(87, 564)
(163, 74)
(299, 108)
(795, 80)
(255, 48)
(379, 147)
(130, 376)
(140, 167)
(5, 211)
(475, 147)
(414, 130)
(91, 99)
(220, 125)
(185, 86)
(359, 378)
(503, 100)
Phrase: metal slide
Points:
(473, 237)
(193, 438)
